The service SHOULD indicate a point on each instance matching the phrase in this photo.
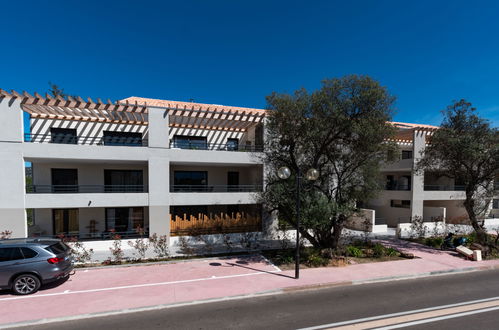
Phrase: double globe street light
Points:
(312, 174)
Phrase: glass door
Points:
(65, 222)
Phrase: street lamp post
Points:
(311, 175)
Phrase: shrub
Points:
(435, 242)
(79, 253)
(116, 250)
(6, 234)
(391, 252)
(160, 245)
(315, 260)
(378, 250)
(354, 251)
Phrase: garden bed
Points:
(356, 253)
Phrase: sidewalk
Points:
(95, 291)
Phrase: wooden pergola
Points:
(125, 112)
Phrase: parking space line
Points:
(67, 292)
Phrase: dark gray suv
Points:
(27, 263)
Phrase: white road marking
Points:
(379, 317)
(439, 318)
(270, 263)
(138, 286)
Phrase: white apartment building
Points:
(101, 167)
(166, 167)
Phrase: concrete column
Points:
(159, 195)
(158, 128)
(12, 173)
(419, 143)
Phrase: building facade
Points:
(144, 166)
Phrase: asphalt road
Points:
(326, 306)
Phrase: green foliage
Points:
(379, 250)
(341, 130)
(316, 260)
(466, 148)
(435, 242)
(354, 251)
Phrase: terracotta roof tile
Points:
(188, 105)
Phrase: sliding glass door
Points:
(65, 222)
(124, 219)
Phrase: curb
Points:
(302, 288)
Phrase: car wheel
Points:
(26, 284)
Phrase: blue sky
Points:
(427, 53)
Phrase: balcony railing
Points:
(397, 187)
(214, 223)
(105, 235)
(215, 146)
(215, 188)
(86, 140)
(437, 187)
(83, 189)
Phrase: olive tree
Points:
(342, 130)
(466, 148)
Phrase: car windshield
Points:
(57, 248)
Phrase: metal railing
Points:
(215, 188)
(85, 140)
(437, 187)
(215, 146)
(397, 187)
(105, 235)
(82, 189)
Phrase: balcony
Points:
(84, 189)
(216, 188)
(397, 187)
(86, 140)
(437, 187)
(198, 145)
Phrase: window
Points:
(124, 219)
(232, 144)
(65, 221)
(123, 181)
(495, 204)
(57, 248)
(64, 180)
(63, 135)
(400, 203)
(190, 142)
(190, 180)
(122, 139)
(406, 154)
(10, 254)
(28, 253)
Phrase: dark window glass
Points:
(232, 144)
(190, 180)
(123, 180)
(124, 219)
(57, 248)
(190, 142)
(64, 180)
(232, 210)
(495, 204)
(400, 203)
(406, 154)
(122, 139)
(28, 253)
(63, 135)
(9, 254)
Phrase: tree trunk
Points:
(337, 228)
(469, 205)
